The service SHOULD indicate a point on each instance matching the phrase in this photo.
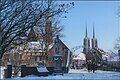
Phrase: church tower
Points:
(94, 40)
(86, 43)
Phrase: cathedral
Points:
(93, 51)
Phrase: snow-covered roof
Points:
(80, 56)
(42, 69)
(34, 45)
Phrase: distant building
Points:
(99, 55)
(78, 61)
(94, 40)
(86, 43)
(115, 62)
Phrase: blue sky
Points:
(102, 14)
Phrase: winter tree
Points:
(18, 16)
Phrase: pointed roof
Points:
(93, 31)
(80, 56)
(32, 35)
(86, 31)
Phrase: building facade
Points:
(78, 61)
(64, 51)
(93, 52)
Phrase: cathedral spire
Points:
(86, 31)
(94, 40)
(93, 31)
(86, 42)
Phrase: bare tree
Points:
(18, 16)
(117, 44)
(51, 26)
(116, 47)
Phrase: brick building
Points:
(33, 54)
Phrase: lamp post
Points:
(57, 58)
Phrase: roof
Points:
(33, 46)
(33, 35)
(80, 56)
(52, 45)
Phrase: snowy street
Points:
(79, 74)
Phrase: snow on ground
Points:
(86, 71)
(1, 72)
(79, 75)
(72, 75)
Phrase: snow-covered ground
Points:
(79, 75)
(73, 75)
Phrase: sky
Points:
(103, 14)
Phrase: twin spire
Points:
(86, 31)
(86, 42)
(93, 31)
